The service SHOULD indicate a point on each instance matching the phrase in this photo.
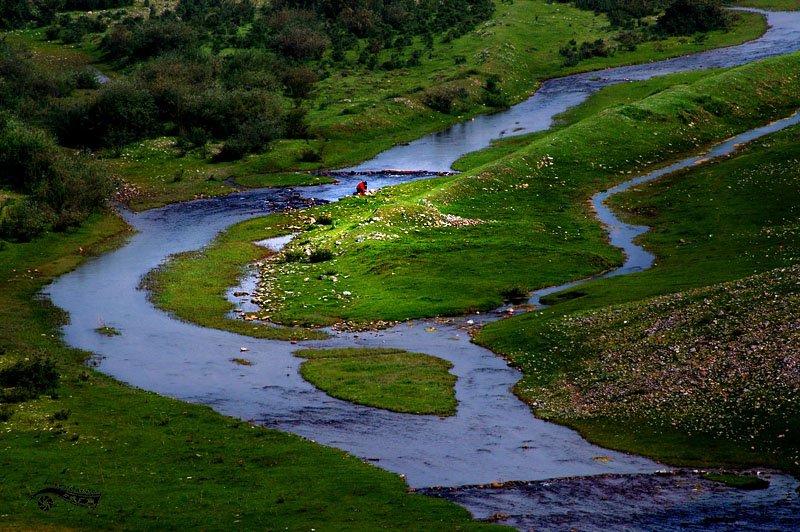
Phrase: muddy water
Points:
(492, 438)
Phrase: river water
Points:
(492, 438)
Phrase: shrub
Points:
(310, 155)
(29, 378)
(300, 81)
(320, 255)
(84, 78)
(127, 112)
(298, 34)
(61, 415)
(295, 125)
(445, 98)
(685, 17)
(193, 137)
(23, 219)
(6, 411)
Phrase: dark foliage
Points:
(685, 17)
(94, 5)
(62, 190)
(574, 53)
(445, 98)
(16, 13)
(622, 13)
(27, 379)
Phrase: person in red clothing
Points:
(361, 188)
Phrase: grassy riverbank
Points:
(461, 243)
(392, 379)
(193, 285)
(722, 349)
(162, 464)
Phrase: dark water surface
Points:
(492, 438)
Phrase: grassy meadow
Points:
(730, 260)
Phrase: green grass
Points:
(709, 226)
(162, 173)
(107, 331)
(742, 482)
(454, 244)
(192, 285)
(609, 97)
(770, 5)
(162, 464)
(391, 379)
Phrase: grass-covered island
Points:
(393, 379)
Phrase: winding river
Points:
(493, 437)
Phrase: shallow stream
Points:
(492, 438)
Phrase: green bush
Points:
(6, 411)
(445, 98)
(320, 255)
(28, 378)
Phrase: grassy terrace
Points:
(392, 379)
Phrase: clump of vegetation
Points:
(686, 17)
(107, 331)
(742, 482)
(59, 190)
(447, 99)
(384, 378)
(27, 379)
(62, 415)
(320, 255)
(6, 412)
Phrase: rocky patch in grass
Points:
(722, 361)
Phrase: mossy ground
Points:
(384, 378)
